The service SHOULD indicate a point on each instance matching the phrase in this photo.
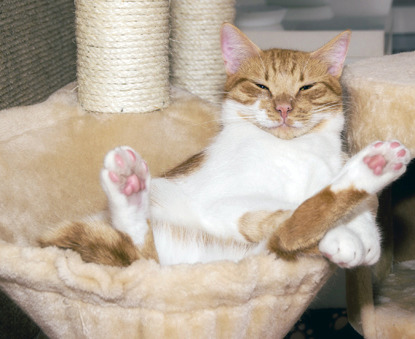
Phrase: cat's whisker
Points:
(336, 103)
(326, 107)
(323, 110)
(220, 120)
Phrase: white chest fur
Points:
(245, 160)
(245, 169)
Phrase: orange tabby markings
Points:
(259, 225)
(186, 167)
(96, 241)
(289, 99)
(312, 219)
(248, 174)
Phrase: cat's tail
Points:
(96, 241)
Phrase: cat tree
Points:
(123, 52)
(54, 176)
(195, 47)
(380, 101)
(123, 62)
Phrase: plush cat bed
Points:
(380, 102)
(50, 156)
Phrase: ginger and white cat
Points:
(274, 179)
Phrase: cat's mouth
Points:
(283, 129)
(272, 125)
(288, 128)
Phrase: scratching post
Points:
(122, 55)
(380, 103)
(196, 60)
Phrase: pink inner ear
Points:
(334, 53)
(236, 47)
(338, 55)
(229, 44)
(228, 52)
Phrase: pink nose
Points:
(284, 109)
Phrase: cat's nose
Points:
(284, 109)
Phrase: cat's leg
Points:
(356, 241)
(365, 174)
(247, 219)
(373, 168)
(125, 179)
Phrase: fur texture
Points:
(279, 150)
(67, 297)
(380, 101)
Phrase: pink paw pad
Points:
(132, 185)
(131, 155)
(113, 176)
(397, 167)
(378, 162)
(127, 171)
(119, 161)
(401, 153)
(375, 163)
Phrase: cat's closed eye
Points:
(306, 87)
(262, 87)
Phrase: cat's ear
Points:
(236, 47)
(334, 53)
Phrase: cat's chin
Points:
(284, 131)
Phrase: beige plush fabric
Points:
(385, 309)
(396, 295)
(50, 156)
(380, 102)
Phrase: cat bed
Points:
(380, 101)
(51, 154)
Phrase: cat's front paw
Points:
(374, 167)
(387, 157)
(125, 177)
(346, 249)
(387, 160)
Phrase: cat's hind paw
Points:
(346, 249)
(125, 176)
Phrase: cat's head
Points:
(287, 93)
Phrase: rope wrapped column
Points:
(122, 64)
(196, 60)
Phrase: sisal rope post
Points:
(122, 64)
(196, 62)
